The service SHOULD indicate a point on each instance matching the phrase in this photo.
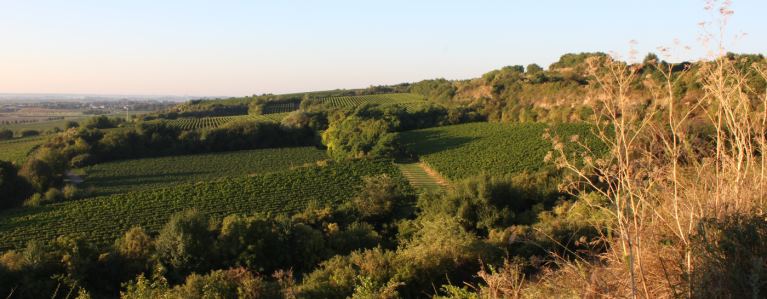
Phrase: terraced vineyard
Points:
(140, 174)
(465, 150)
(16, 150)
(406, 99)
(103, 219)
(217, 121)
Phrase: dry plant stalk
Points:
(659, 182)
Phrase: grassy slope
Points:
(103, 219)
(16, 150)
(465, 150)
(140, 174)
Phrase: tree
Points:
(354, 138)
(134, 244)
(534, 68)
(38, 173)
(12, 188)
(71, 124)
(184, 241)
(6, 134)
(29, 133)
(378, 197)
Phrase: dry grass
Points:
(662, 181)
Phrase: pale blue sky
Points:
(245, 47)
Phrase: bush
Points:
(81, 160)
(29, 133)
(184, 241)
(71, 124)
(34, 200)
(6, 134)
(70, 191)
(53, 195)
(38, 173)
(135, 244)
(731, 257)
(354, 138)
(13, 189)
(378, 197)
(484, 202)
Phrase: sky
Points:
(236, 48)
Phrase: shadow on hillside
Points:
(425, 143)
(126, 181)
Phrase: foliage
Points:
(102, 122)
(484, 203)
(13, 188)
(731, 257)
(435, 90)
(183, 241)
(6, 134)
(378, 197)
(355, 138)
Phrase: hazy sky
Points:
(246, 47)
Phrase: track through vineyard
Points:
(422, 178)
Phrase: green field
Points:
(281, 107)
(16, 150)
(139, 174)
(43, 125)
(217, 121)
(466, 150)
(103, 219)
(406, 99)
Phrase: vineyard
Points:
(217, 121)
(280, 107)
(103, 219)
(16, 150)
(140, 174)
(404, 99)
(465, 150)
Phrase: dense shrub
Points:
(29, 133)
(354, 138)
(6, 134)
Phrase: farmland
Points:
(281, 107)
(379, 99)
(217, 121)
(44, 125)
(16, 150)
(141, 174)
(462, 151)
(102, 219)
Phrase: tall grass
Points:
(684, 181)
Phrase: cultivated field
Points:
(42, 125)
(406, 99)
(465, 150)
(103, 219)
(16, 150)
(217, 121)
(140, 174)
